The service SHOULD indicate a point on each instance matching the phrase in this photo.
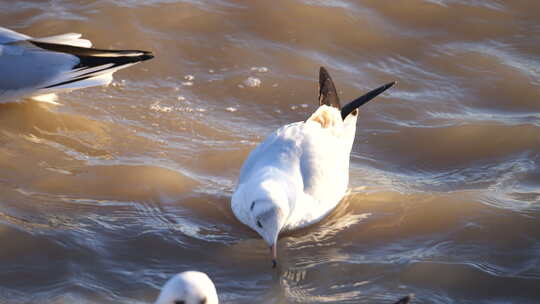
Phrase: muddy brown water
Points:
(109, 194)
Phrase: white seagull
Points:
(31, 67)
(193, 287)
(188, 287)
(299, 173)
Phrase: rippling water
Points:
(106, 196)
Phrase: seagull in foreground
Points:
(194, 287)
(33, 67)
(188, 287)
(299, 173)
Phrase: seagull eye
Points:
(259, 224)
(252, 205)
(203, 301)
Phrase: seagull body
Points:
(303, 165)
(31, 67)
(299, 174)
(188, 287)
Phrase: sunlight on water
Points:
(106, 195)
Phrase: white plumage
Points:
(188, 287)
(298, 175)
(31, 67)
(304, 162)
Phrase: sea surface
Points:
(107, 195)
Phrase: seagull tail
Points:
(95, 65)
(327, 91)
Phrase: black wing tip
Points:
(327, 90)
(146, 55)
(127, 56)
(405, 300)
(389, 85)
(323, 74)
(124, 58)
(353, 105)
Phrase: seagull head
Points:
(189, 287)
(268, 212)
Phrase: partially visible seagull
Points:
(299, 173)
(194, 287)
(188, 287)
(405, 300)
(31, 67)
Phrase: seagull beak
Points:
(273, 250)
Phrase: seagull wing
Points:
(7, 36)
(324, 162)
(30, 67)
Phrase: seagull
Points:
(188, 287)
(194, 287)
(40, 67)
(300, 172)
(405, 300)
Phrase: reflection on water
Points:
(106, 196)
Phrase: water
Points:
(106, 196)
